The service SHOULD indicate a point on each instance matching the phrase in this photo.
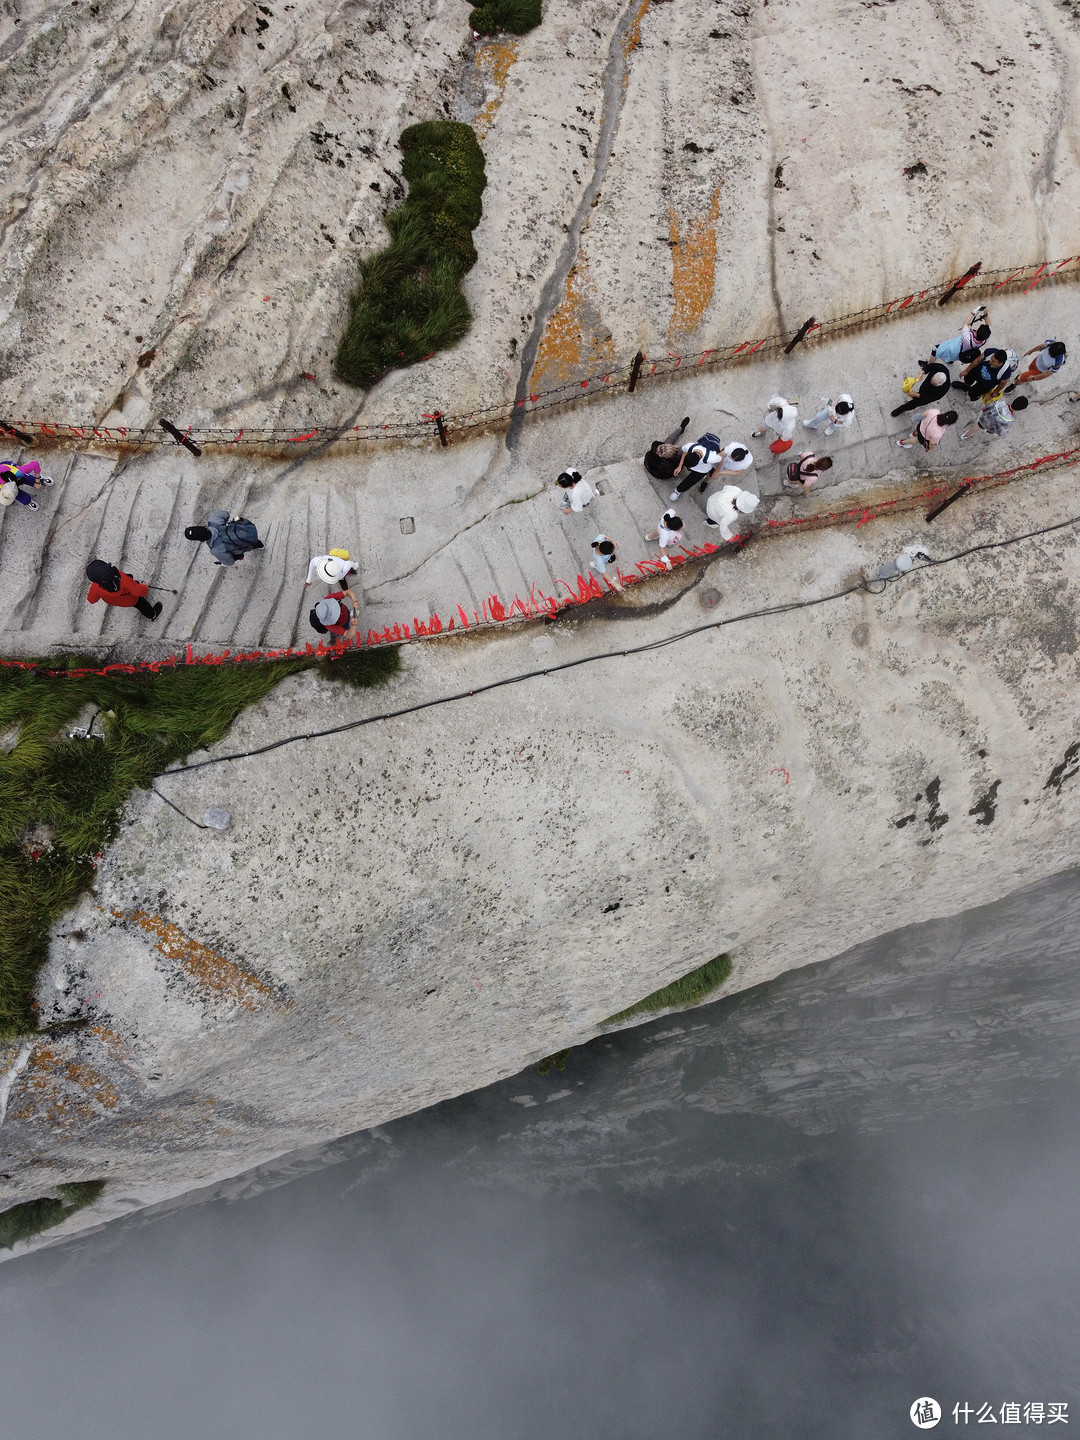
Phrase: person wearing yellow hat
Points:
(332, 568)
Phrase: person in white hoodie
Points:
(835, 415)
(781, 418)
(727, 506)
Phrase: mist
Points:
(789, 1214)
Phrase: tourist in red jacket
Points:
(115, 588)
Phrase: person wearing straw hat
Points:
(17, 481)
(336, 614)
(331, 569)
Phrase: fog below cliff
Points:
(789, 1214)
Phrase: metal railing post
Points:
(800, 336)
(959, 284)
(179, 437)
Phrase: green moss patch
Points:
(409, 301)
(61, 799)
(510, 17)
(30, 1218)
(689, 990)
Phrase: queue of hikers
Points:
(988, 374)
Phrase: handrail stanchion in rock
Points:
(790, 346)
(18, 434)
(959, 284)
(635, 373)
(441, 429)
(952, 499)
(179, 437)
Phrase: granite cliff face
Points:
(187, 187)
(410, 910)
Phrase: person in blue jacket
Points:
(228, 537)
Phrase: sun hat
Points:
(746, 502)
(333, 567)
(328, 612)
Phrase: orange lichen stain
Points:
(693, 269)
(62, 1092)
(493, 61)
(115, 1047)
(633, 35)
(223, 978)
(569, 344)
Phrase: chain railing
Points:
(621, 378)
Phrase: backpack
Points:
(1012, 363)
(711, 445)
(242, 534)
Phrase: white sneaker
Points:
(46, 479)
(674, 495)
(31, 504)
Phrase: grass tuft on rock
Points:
(690, 990)
(24, 1221)
(61, 799)
(409, 302)
(510, 17)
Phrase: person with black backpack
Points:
(228, 537)
(699, 460)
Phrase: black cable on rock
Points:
(642, 649)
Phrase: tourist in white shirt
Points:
(669, 531)
(577, 492)
(331, 569)
(781, 418)
(699, 459)
(735, 457)
(836, 415)
(726, 508)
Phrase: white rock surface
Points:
(203, 176)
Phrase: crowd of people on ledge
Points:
(988, 375)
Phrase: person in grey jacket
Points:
(228, 537)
